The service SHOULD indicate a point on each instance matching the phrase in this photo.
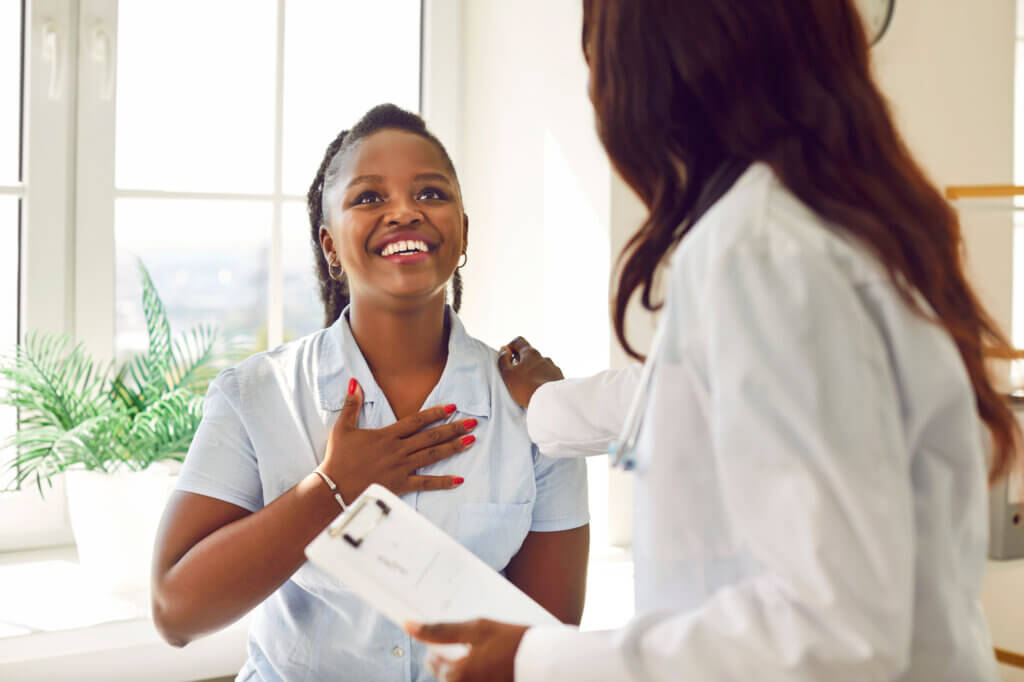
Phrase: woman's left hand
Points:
(492, 651)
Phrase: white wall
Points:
(544, 204)
(536, 183)
(947, 67)
(538, 190)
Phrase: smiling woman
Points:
(289, 434)
(426, 181)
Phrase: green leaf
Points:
(191, 354)
(157, 326)
(76, 413)
(50, 384)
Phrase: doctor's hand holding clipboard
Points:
(815, 427)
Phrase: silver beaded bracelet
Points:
(334, 488)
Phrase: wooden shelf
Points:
(954, 192)
(1010, 658)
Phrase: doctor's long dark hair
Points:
(680, 85)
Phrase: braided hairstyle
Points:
(334, 293)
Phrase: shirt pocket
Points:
(493, 531)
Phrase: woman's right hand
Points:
(390, 456)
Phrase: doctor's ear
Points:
(465, 232)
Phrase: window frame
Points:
(68, 193)
(46, 251)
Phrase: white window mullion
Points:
(47, 263)
(441, 69)
(94, 196)
(275, 290)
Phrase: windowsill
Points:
(53, 625)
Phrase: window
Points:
(183, 135)
(33, 159)
(10, 184)
(215, 150)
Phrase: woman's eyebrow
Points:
(436, 177)
(364, 180)
(372, 179)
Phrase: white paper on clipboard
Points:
(410, 570)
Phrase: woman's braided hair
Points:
(334, 293)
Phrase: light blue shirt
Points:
(265, 428)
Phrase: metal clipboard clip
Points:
(360, 520)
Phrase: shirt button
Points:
(397, 652)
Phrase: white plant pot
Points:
(114, 518)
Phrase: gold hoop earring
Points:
(334, 269)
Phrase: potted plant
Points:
(118, 436)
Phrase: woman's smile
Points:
(406, 247)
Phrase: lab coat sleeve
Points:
(581, 417)
(814, 473)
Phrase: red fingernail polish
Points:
(469, 424)
(352, 386)
(468, 440)
(448, 409)
(458, 480)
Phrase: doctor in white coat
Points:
(815, 427)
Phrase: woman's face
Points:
(395, 220)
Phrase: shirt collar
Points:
(464, 381)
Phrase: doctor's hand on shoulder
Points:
(390, 456)
(524, 370)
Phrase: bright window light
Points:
(203, 198)
(208, 260)
(195, 95)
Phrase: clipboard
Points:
(410, 570)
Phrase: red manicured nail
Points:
(469, 424)
(468, 440)
(352, 386)
(448, 409)
(458, 480)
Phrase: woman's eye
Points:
(432, 193)
(366, 198)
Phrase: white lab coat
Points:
(811, 476)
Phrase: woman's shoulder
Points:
(480, 363)
(759, 219)
(285, 364)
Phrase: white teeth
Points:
(404, 246)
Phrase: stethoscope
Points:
(622, 452)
